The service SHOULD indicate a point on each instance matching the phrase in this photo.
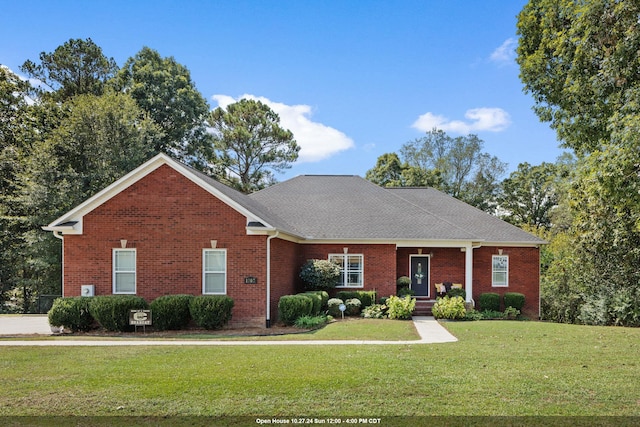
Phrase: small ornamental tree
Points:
(320, 274)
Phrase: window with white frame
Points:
(214, 272)
(500, 271)
(351, 270)
(124, 271)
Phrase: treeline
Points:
(80, 122)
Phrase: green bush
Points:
(403, 282)
(403, 292)
(319, 274)
(492, 314)
(366, 297)
(511, 313)
(353, 307)
(316, 302)
(449, 308)
(72, 313)
(291, 307)
(489, 301)
(171, 312)
(457, 292)
(400, 308)
(211, 311)
(375, 311)
(323, 295)
(514, 299)
(333, 306)
(112, 311)
(310, 322)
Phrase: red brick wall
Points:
(524, 275)
(447, 265)
(285, 266)
(379, 262)
(169, 220)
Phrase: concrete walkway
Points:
(430, 331)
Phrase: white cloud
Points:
(316, 140)
(478, 119)
(506, 53)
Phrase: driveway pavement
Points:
(15, 326)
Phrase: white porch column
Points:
(468, 271)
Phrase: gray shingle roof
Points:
(350, 208)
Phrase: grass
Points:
(497, 368)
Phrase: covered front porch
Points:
(431, 265)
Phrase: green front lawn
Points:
(497, 368)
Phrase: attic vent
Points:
(255, 224)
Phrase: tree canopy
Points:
(251, 144)
(74, 68)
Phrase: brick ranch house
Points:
(165, 228)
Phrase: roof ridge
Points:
(428, 211)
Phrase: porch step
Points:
(423, 307)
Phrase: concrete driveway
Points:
(28, 324)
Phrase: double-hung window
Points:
(124, 271)
(500, 271)
(214, 272)
(351, 270)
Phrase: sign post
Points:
(140, 318)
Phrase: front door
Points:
(420, 275)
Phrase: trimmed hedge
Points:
(291, 307)
(334, 307)
(489, 302)
(112, 311)
(72, 313)
(514, 299)
(324, 295)
(316, 301)
(366, 298)
(171, 312)
(211, 311)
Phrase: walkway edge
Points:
(430, 331)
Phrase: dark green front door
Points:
(420, 275)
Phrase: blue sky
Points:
(352, 79)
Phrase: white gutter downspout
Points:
(268, 323)
(58, 235)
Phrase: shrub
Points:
(319, 274)
(316, 302)
(323, 295)
(291, 307)
(514, 299)
(473, 315)
(309, 322)
(353, 306)
(403, 282)
(375, 311)
(403, 292)
(112, 311)
(366, 297)
(400, 308)
(211, 311)
(492, 314)
(171, 312)
(72, 313)
(489, 301)
(511, 313)
(457, 292)
(333, 306)
(449, 308)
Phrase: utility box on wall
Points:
(87, 290)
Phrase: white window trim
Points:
(204, 272)
(493, 271)
(114, 273)
(345, 275)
